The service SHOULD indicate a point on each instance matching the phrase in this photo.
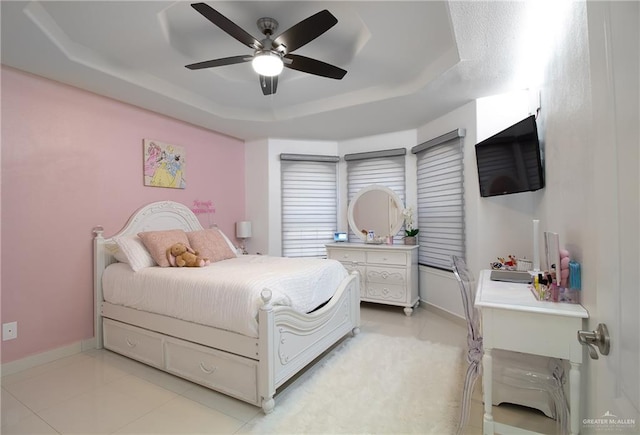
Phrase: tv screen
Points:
(510, 161)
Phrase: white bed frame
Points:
(250, 369)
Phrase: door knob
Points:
(599, 338)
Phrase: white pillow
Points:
(231, 245)
(121, 257)
(135, 252)
(113, 249)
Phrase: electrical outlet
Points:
(9, 331)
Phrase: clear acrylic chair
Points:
(517, 373)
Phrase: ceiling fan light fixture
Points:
(269, 54)
(267, 63)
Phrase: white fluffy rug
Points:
(370, 384)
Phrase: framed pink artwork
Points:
(164, 164)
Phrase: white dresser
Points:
(388, 273)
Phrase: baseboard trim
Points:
(443, 313)
(47, 357)
(88, 344)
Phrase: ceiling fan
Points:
(271, 55)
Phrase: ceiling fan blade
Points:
(219, 62)
(227, 25)
(313, 66)
(269, 85)
(305, 31)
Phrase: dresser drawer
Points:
(397, 258)
(347, 255)
(385, 293)
(136, 343)
(230, 374)
(387, 275)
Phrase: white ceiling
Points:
(407, 62)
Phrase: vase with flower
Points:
(410, 232)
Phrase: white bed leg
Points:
(268, 405)
(266, 371)
(98, 266)
(355, 331)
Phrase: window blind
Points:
(309, 204)
(386, 168)
(441, 218)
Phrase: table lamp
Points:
(243, 232)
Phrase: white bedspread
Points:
(225, 294)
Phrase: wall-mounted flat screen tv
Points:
(511, 161)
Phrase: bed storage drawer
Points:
(230, 374)
(136, 343)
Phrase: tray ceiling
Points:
(407, 62)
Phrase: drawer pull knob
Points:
(131, 343)
(206, 370)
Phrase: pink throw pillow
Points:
(157, 243)
(210, 244)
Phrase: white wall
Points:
(566, 116)
(567, 119)
(257, 197)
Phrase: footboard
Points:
(290, 340)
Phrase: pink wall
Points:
(72, 160)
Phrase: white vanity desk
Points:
(513, 319)
(388, 273)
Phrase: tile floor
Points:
(99, 392)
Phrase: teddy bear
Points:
(181, 255)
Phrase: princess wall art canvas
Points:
(164, 165)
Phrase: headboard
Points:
(162, 215)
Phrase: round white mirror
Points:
(375, 208)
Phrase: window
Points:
(385, 168)
(440, 200)
(309, 204)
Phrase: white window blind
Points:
(309, 204)
(441, 217)
(386, 168)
